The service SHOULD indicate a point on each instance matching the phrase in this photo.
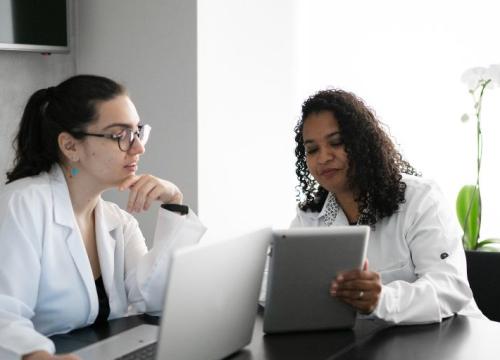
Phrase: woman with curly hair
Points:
(350, 172)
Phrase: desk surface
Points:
(456, 338)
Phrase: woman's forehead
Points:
(320, 125)
(119, 111)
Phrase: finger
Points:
(365, 265)
(351, 294)
(357, 274)
(142, 194)
(153, 196)
(131, 200)
(66, 357)
(357, 285)
(356, 301)
(147, 203)
(134, 190)
(362, 295)
(363, 306)
(128, 182)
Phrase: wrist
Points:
(175, 199)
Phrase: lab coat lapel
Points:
(64, 216)
(105, 224)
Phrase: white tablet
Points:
(303, 262)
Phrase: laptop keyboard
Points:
(147, 352)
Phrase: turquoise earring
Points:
(74, 171)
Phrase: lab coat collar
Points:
(317, 218)
(62, 216)
(323, 210)
(312, 216)
(107, 218)
(106, 221)
(105, 224)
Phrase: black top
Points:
(103, 314)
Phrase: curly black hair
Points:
(375, 165)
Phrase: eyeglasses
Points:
(125, 138)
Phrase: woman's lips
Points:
(131, 167)
(329, 172)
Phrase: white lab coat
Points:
(419, 255)
(46, 282)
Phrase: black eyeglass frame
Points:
(143, 131)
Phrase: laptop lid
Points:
(210, 303)
(303, 262)
(211, 300)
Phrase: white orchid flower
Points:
(471, 77)
(494, 73)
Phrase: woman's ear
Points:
(68, 146)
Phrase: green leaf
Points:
(469, 214)
(487, 242)
(488, 249)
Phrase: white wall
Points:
(21, 74)
(247, 110)
(406, 59)
(258, 60)
(6, 21)
(150, 47)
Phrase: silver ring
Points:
(361, 294)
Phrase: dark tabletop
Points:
(458, 337)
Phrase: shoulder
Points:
(419, 188)
(30, 190)
(424, 197)
(26, 209)
(305, 218)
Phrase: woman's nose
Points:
(137, 147)
(325, 156)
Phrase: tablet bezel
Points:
(302, 264)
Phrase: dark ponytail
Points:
(69, 107)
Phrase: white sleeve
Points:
(19, 279)
(146, 272)
(441, 288)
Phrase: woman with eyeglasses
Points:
(68, 258)
(350, 173)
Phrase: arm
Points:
(19, 278)
(441, 288)
(146, 271)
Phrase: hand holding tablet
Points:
(359, 288)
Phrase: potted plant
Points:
(483, 267)
(468, 204)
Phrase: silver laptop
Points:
(210, 304)
(303, 262)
